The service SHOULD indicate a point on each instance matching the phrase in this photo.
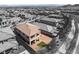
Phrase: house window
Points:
(37, 39)
(37, 34)
(32, 36)
(33, 42)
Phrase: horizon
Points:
(33, 5)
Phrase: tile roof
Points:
(28, 29)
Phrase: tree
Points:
(0, 20)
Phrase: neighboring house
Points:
(14, 20)
(49, 21)
(7, 30)
(4, 23)
(7, 38)
(55, 16)
(48, 28)
(8, 43)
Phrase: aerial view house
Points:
(33, 36)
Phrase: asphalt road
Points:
(74, 40)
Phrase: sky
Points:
(35, 2)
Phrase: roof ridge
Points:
(28, 29)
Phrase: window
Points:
(32, 36)
(57, 44)
(33, 42)
(37, 34)
(57, 41)
(37, 39)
